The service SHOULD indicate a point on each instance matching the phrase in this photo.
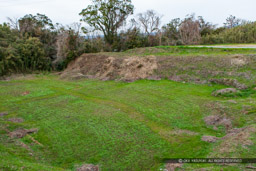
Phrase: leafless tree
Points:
(190, 30)
(76, 27)
(232, 21)
(63, 37)
(150, 21)
(14, 22)
(134, 24)
(61, 46)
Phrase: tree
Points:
(171, 31)
(150, 21)
(232, 22)
(32, 54)
(14, 23)
(190, 30)
(40, 26)
(33, 25)
(69, 45)
(107, 16)
(8, 61)
(205, 27)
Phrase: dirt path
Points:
(163, 131)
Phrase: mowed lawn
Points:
(116, 125)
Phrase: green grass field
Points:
(116, 125)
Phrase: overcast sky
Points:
(66, 11)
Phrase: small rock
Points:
(88, 167)
(210, 139)
(3, 114)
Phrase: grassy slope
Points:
(184, 51)
(120, 126)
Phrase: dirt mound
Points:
(229, 82)
(196, 69)
(111, 68)
(88, 167)
(138, 68)
(16, 120)
(172, 166)
(238, 60)
(235, 138)
(87, 65)
(215, 120)
(225, 91)
(20, 133)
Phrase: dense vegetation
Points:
(34, 43)
(240, 34)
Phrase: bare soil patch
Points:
(20, 133)
(88, 167)
(172, 166)
(216, 120)
(229, 82)
(25, 93)
(225, 91)
(210, 139)
(138, 68)
(179, 132)
(16, 120)
(17, 77)
(236, 137)
(3, 114)
(238, 61)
